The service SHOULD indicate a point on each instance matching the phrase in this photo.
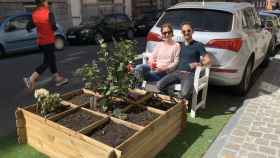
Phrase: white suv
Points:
(231, 32)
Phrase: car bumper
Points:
(225, 78)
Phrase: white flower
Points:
(41, 93)
(103, 45)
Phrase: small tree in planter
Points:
(118, 79)
(47, 103)
(89, 74)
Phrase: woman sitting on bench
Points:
(192, 54)
(163, 59)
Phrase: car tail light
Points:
(229, 44)
(153, 37)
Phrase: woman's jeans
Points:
(143, 71)
(185, 78)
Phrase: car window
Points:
(201, 19)
(121, 19)
(256, 17)
(249, 19)
(20, 22)
(109, 20)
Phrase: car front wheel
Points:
(59, 43)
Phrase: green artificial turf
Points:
(9, 148)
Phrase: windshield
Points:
(201, 19)
(265, 17)
(91, 21)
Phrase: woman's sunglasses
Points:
(166, 32)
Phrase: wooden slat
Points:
(127, 124)
(95, 112)
(154, 110)
(91, 93)
(61, 115)
(93, 126)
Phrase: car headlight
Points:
(85, 31)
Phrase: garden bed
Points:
(104, 136)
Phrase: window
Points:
(201, 19)
(249, 19)
(105, 1)
(29, 8)
(19, 23)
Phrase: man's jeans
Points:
(144, 71)
(185, 78)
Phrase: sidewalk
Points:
(254, 131)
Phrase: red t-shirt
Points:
(41, 19)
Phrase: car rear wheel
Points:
(2, 52)
(59, 43)
(130, 34)
(245, 84)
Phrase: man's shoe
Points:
(62, 82)
(27, 82)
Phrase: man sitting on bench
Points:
(192, 54)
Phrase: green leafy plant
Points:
(89, 74)
(46, 102)
(117, 79)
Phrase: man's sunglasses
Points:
(186, 31)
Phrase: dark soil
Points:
(157, 103)
(78, 120)
(140, 116)
(116, 105)
(57, 111)
(80, 99)
(112, 134)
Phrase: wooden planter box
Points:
(57, 141)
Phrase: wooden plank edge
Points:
(127, 124)
(93, 126)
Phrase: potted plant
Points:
(47, 103)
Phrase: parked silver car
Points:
(271, 23)
(231, 32)
(14, 37)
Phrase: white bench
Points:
(201, 78)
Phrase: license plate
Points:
(71, 36)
